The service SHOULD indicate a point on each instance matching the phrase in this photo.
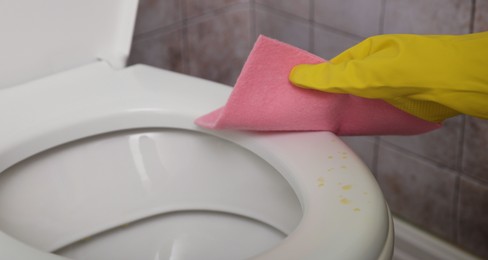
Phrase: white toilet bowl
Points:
(104, 163)
(92, 150)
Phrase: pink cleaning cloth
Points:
(263, 99)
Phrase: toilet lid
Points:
(344, 213)
(40, 38)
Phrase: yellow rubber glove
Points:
(430, 76)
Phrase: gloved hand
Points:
(430, 76)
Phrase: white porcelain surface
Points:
(40, 38)
(83, 188)
(181, 235)
(344, 213)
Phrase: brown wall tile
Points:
(359, 17)
(473, 220)
(475, 150)
(284, 28)
(219, 45)
(481, 16)
(328, 44)
(299, 8)
(199, 7)
(417, 190)
(427, 16)
(162, 50)
(441, 146)
(154, 14)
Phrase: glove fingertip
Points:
(301, 76)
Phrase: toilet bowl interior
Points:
(151, 192)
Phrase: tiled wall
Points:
(437, 181)
(208, 39)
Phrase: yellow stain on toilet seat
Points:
(320, 182)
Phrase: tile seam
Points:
(418, 156)
(339, 31)
(190, 21)
(282, 13)
(376, 153)
(159, 31)
(185, 45)
(382, 17)
(311, 30)
(459, 166)
(252, 19)
(472, 16)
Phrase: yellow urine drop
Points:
(320, 182)
(345, 201)
(347, 187)
(356, 209)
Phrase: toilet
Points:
(103, 161)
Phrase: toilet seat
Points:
(344, 213)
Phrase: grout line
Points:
(311, 24)
(283, 13)
(158, 31)
(418, 156)
(382, 17)
(303, 20)
(185, 44)
(456, 208)
(460, 151)
(215, 12)
(473, 14)
(253, 29)
(457, 184)
(341, 32)
(376, 154)
(475, 179)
